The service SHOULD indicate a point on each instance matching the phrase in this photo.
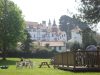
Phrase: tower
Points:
(54, 26)
(49, 24)
(54, 23)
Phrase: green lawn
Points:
(36, 71)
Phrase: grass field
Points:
(36, 70)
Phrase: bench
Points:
(43, 64)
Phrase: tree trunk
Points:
(4, 55)
(4, 52)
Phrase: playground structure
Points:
(78, 61)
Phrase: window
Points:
(55, 48)
(34, 36)
(62, 35)
(52, 35)
(59, 47)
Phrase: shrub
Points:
(75, 46)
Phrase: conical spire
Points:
(49, 23)
(54, 23)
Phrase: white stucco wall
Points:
(76, 36)
(46, 36)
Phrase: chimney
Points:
(43, 22)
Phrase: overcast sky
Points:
(38, 10)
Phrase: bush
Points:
(38, 54)
(75, 46)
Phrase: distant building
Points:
(52, 35)
(58, 46)
(43, 32)
(76, 35)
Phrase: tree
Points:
(47, 45)
(66, 25)
(75, 46)
(97, 38)
(27, 44)
(88, 38)
(90, 11)
(79, 23)
(11, 25)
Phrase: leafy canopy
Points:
(90, 11)
(11, 25)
